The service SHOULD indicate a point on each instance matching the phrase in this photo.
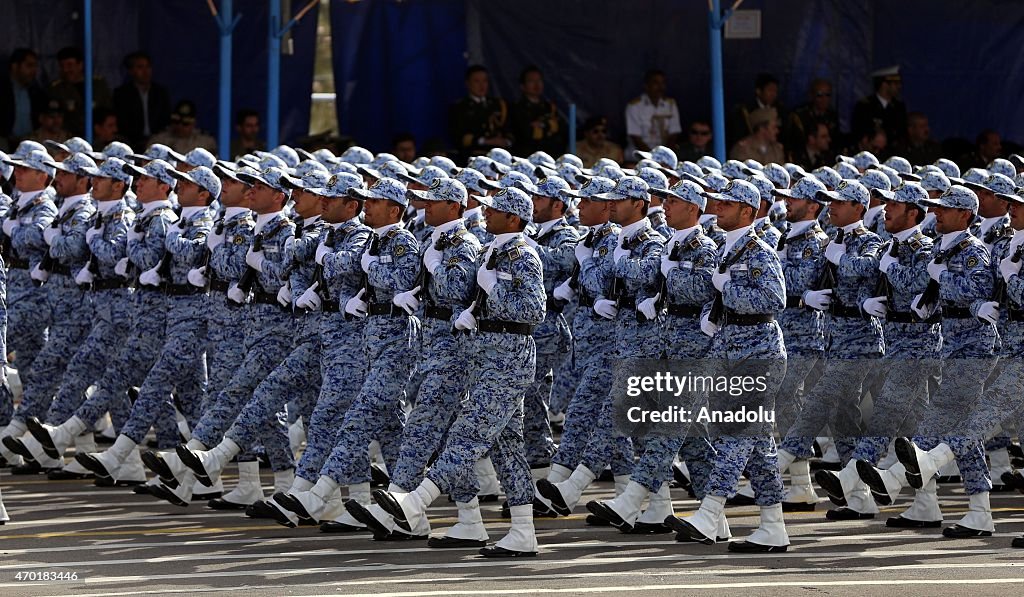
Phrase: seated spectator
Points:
(762, 144)
(595, 145)
(536, 125)
(143, 107)
(919, 148)
(875, 141)
(182, 135)
(404, 147)
(21, 98)
(105, 127)
(698, 142)
(987, 147)
(247, 131)
(817, 149)
(70, 89)
(51, 124)
(766, 95)
(478, 122)
(803, 120)
(652, 119)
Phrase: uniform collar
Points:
(988, 223)
(949, 238)
(188, 212)
(148, 208)
(732, 236)
(26, 198)
(681, 235)
(798, 228)
(471, 213)
(263, 219)
(70, 203)
(633, 229)
(546, 227)
(851, 227)
(436, 233)
(384, 229)
(306, 223)
(340, 225)
(869, 215)
(233, 212)
(903, 235)
(106, 207)
(501, 239)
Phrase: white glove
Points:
(583, 252)
(487, 279)
(432, 259)
(214, 240)
(923, 313)
(322, 251)
(197, 277)
(876, 306)
(49, 234)
(989, 312)
(834, 252)
(709, 329)
(150, 278)
(407, 300)
(91, 232)
(667, 265)
(309, 300)
(135, 236)
(235, 294)
(935, 270)
(356, 306)
(84, 276)
(39, 275)
(719, 280)
(647, 307)
(9, 226)
(564, 292)
(886, 262)
(1008, 268)
(606, 308)
(284, 296)
(619, 253)
(366, 260)
(465, 320)
(121, 268)
(818, 299)
(254, 259)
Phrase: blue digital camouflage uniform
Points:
(555, 245)
(852, 340)
(476, 225)
(968, 346)
(343, 360)
(757, 286)
(442, 357)
(6, 396)
(71, 311)
(768, 233)
(712, 230)
(28, 306)
(181, 363)
(657, 217)
(501, 368)
(387, 335)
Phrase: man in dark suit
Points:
(478, 122)
(884, 109)
(21, 98)
(143, 107)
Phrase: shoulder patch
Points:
(238, 240)
(602, 251)
(755, 272)
(972, 261)
(808, 252)
(399, 250)
(514, 253)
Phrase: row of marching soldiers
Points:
(428, 312)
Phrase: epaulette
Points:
(39, 200)
(695, 241)
(392, 233)
(603, 232)
(516, 250)
(637, 240)
(859, 231)
(914, 242)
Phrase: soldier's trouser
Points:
(6, 397)
(904, 395)
(225, 343)
(28, 315)
(537, 430)
(491, 420)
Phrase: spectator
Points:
(247, 129)
(105, 127)
(987, 147)
(143, 107)
(536, 125)
(21, 98)
(875, 141)
(882, 110)
(803, 120)
(404, 147)
(477, 122)
(70, 89)
(762, 144)
(51, 124)
(817, 149)
(182, 135)
(766, 95)
(919, 147)
(595, 145)
(698, 141)
(652, 119)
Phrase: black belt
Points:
(794, 302)
(148, 288)
(586, 300)
(626, 302)
(110, 284)
(63, 270)
(1015, 315)
(219, 285)
(385, 309)
(956, 313)
(910, 317)
(837, 310)
(266, 298)
(498, 326)
(330, 306)
(733, 318)
(182, 290)
(690, 311)
(434, 312)
(17, 263)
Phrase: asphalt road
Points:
(118, 543)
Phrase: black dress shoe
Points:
(483, 499)
(257, 509)
(595, 521)
(189, 459)
(647, 528)
(548, 490)
(1014, 479)
(333, 526)
(847, 514)
(63, 475)
(684, 538)
(31, 467)
(1017, 542)
(161, 492)
(90, 462)
(453, 543)
(750, 547)
(869, 475)
(602, 511)
(277, 516)
(828, 481)
(206, 497)
(500, 552)
(961, 532)
(541, 510)
(505, 513)
(223, 504)
(798, 507)
(818, 465)
(606, 476)
(293, 505)
(35, 427)
(687, 530)
(156, 463)
(740, 500)
(362, 514)
(898, 522)
(391, 506)
(378, 478)
(14, 444)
